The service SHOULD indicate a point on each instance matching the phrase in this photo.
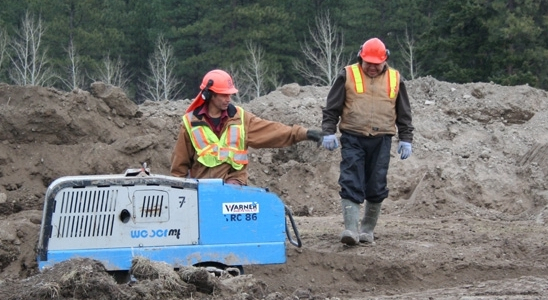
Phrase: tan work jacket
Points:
(370, 110)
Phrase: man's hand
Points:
(315, 135)
(405, 149)
(330, 142)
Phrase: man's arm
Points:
(334, 104)
(263, 133)
(183, 153)
(404, 120)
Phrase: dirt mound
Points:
(87, 279)
(465, 216)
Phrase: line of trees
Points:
(160, 49)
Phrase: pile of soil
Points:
(465, 216)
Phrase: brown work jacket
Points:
(260, 133)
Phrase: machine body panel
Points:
(183, 222)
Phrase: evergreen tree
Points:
(514, 31)
(218, 38)
(504, 41)
(454, 48)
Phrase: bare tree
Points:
(113, 72)
(30, 63)
(255, 70)
(3, 45)
(239, 82)
(75, 77)
(324, 54)
(408, 50)
(161, 83)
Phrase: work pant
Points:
(364, 166)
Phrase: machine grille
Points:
(86, 213)
(153, 206)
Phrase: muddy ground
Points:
(465, 219)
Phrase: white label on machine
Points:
(240, 208)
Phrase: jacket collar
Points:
(231, 111)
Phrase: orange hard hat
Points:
(217, 81)
(221, 82)
(373, 51)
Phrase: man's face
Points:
(220, 101)
(373, 70)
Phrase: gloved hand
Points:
(314, 135)
(330, 142)
(405, 149)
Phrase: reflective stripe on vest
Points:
(213, 151)
(391, 85)
(358, 79)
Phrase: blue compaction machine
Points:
(180, 221)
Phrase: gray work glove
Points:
(315, 135)
(330, 142)
(405, 149)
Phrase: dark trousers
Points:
(364, 166)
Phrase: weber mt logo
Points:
(156, 233)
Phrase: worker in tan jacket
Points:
(369, 103)
(215, 134)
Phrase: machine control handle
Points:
(289, 216)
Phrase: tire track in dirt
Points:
(537, 154)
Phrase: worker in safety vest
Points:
(370, 101)
(215, 134)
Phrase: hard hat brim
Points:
(373, 60)
(232, 91)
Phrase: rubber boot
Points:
(369, 221)
(351, 214)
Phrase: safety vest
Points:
(392, 85)
(213, 151)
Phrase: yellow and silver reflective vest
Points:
(213, 151)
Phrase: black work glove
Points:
(315, 135)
